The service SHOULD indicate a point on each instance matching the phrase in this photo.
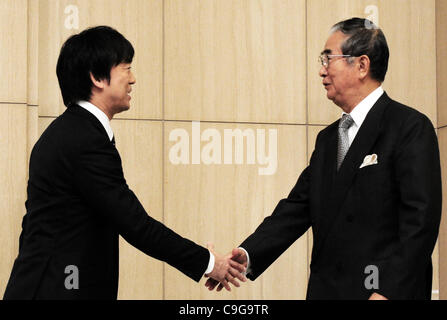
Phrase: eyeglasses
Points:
(325, 58)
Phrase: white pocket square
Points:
(369, 160)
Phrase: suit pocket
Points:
(368, 181)
(372, 192)
(370, 169)
(374, 175)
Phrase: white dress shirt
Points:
(358, 114)
(360, 111)
(102, 117)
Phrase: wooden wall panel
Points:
(13, 184)
(412, 50)
(33, 51)
(141, 25)
(224, 203)
(32, 127)
(235, 60)
(13, 44)
(441, 49)
(32, 78)
(415, 50)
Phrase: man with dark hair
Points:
(78, 200)
(371, 192)
(94, 51)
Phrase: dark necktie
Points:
(346, 122)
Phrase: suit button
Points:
(349, 218)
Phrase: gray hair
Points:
(365, 38)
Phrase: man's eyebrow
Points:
(326, 51)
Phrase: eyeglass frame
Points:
(330, 56)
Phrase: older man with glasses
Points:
(371, 192)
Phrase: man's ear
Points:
(364, 65)
(100, 84)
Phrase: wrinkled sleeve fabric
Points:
(100, 181)
(289, 221)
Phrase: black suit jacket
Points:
(386, 215)
(78, 203)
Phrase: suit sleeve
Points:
(418, 175)
(288, 222)
(100, 181)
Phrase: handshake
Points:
(227, 269)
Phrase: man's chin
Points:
(330, 96)
(122, 109)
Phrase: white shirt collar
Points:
(99, 114)
(360, 111)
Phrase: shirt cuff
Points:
(210, 264)
(248, 270)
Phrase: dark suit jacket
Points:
(386, 215)
(78, 203)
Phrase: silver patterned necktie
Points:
(343, 139)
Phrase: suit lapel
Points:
(360, 147)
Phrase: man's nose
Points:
(323, 72)
(132, 80)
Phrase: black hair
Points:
(95, 50)
(365, 38)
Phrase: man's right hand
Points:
(237, 257)
(226, 270)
